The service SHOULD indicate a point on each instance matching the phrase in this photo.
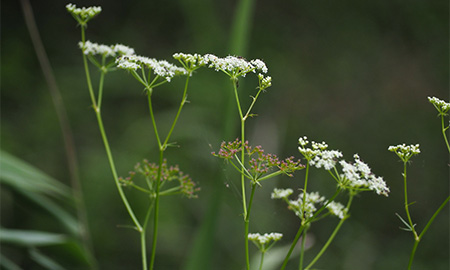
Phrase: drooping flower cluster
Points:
(83, 15)
(168, 174)
(405, 152)
(264, 242)
(440, 105)
(161, 68)
(259, 163)
(90, 48)
(358, 176)
(305, 205)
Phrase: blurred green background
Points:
(355, 74)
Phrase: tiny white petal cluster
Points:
(83, 12)
(90, 48)
(440, 105)
(265, 82)
(405, 152)
(161, 68)
(235, 66)
(326, 159)
(337, 209)
(194, 60)
(265, 238)
(309, 208)
(310, 153)
(358, 175)
(281, 193)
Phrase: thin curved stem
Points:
(444, 129)
(336, 230)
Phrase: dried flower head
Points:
(172, 174)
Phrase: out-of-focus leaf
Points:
(8, 264)
(44, 261)
(54, 209)
(21, 175)
(31, 238)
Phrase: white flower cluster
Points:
(337, 209)
(84, 13)
(235, 66)
(161, 68)
(326, 159)
(279, 193)
(359, 176)
(266, 238)
(441, 106)
(311, 199)
(190, 61)
(264, 82)
(90, 48)
(310, 153)
(405, 152)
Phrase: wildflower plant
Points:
(159, 179)
(405, 153)
(251, 162)
(352, 178)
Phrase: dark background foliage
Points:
(355, 74)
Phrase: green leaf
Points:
(31, 238)
(44, 261)
(20, 175)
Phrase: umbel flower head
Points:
(357, 176)
(317, 155)
(90, 48)
(161, 68)
(236, 67)
(190, 62)
(305, 205)
(84, 14)
(266, 241)
(440, 105)
(405, 152)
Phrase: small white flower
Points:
(83, 13)
(90, 48)
(326, 159)
(161, 68)
(337, 209)
(442, 106)
(235, 66)
(281, 193)
(265, 238)
(405, 152)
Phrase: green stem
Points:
(411, 225)
(288, 255)
(444, 134)
(156, 212)
(336, 230)
(149, 96)
(105, 140)
(247, 223)
(304, 191)
(302, 251)
(262, 260)
(183, 101)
